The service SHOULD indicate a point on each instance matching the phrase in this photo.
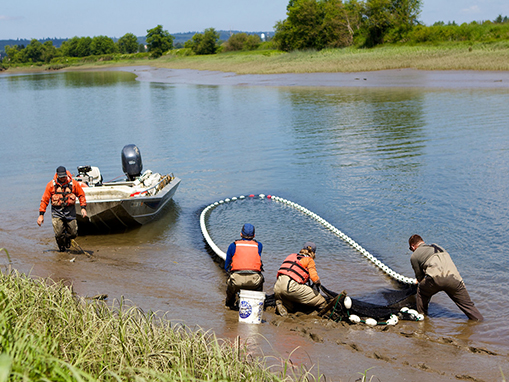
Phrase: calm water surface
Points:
(380, 164)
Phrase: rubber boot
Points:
(280, 308)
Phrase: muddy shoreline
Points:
(404, 78)
(409, 351)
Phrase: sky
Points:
(27, 19)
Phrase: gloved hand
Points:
(317, 285)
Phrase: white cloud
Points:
(474, 9)
(9, 18)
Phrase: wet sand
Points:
(406, 352)
(386, 78)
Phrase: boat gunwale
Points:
(158, 196)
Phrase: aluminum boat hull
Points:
(105, 212)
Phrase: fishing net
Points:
(337, 309)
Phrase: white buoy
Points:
(393, 320)
(354, 319)
(347, 302)
(371, 322)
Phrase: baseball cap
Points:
(311, 245)
(248, 230)
(61, 172)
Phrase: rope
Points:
(384, 268)
(333, 310)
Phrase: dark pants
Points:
(238, 281)
(454, 289)
(65, 230)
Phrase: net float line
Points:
(384, 268)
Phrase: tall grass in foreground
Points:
(48, 334)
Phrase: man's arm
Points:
(44, 203)
(229, 255)
(419, 274)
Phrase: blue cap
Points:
(248, 230)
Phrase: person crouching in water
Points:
(244, 265)
(62, 192)
(291, 287)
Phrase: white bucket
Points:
(251, 306)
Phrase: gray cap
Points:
(61, 172)
(311, 246)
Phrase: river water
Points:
(379, 163)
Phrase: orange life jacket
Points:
(246, 256)
(63, 195)
(293, 269)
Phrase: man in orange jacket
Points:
(244, 264)
(62, 193)
(291, 288)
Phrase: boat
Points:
(125, 204)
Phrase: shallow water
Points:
(379, 164)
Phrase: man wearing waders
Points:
(62, 193)
(291, 288)
(435, 272)
(244, 265)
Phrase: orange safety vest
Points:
(293, 269)
(63, 195)
(246, 256)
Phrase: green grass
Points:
(452, 56)
(49, 334)
(438, 56)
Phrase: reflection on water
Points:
(379, 164)
(46, 82)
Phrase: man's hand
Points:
(84, 212)
(40, 220)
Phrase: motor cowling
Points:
(131, 162)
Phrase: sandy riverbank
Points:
(404, 78)
(385, 78)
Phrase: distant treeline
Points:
(310, 24)
(103, 48)
(178, 39)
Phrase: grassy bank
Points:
(452, 56)
(448, 57)
(47, 333)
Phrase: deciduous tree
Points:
(158, 41)
(204, 43)
(128, 43)
(102, 45)
(242, 41)
(34, 51)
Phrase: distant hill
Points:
(178, 38)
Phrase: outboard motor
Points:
(131, 161)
